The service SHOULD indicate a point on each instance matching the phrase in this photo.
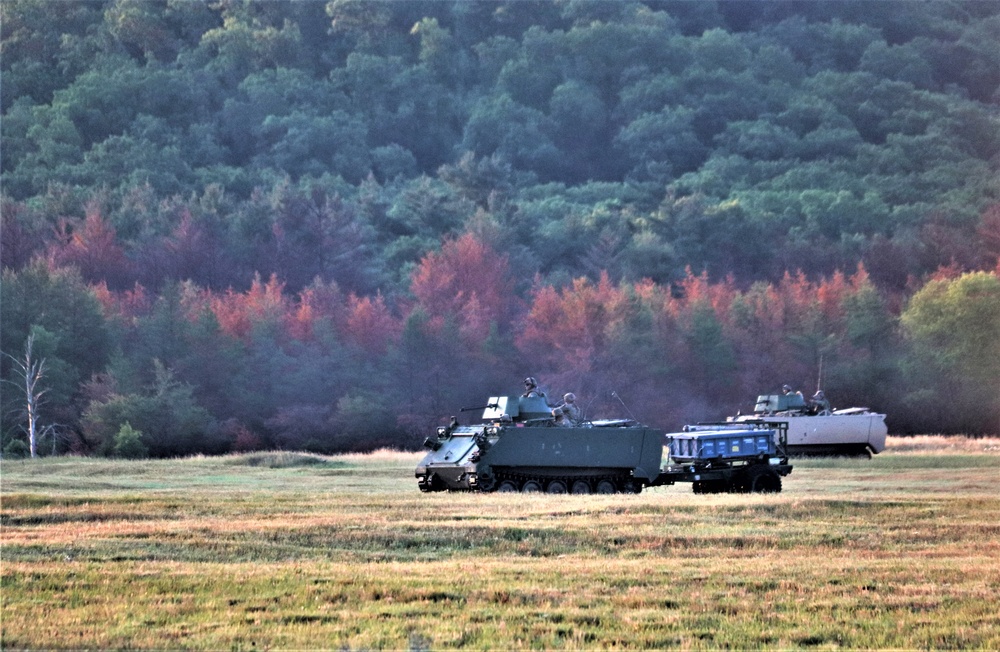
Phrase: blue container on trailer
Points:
(722, 444)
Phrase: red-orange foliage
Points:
(466, 280)
(831, 292)
(370, 324)
(263, 303)
(92, 247)
(572, 325)
(947, 272)
(319, 301)
(698, 289)
(126, 305)
(107, 299)
(301, 320)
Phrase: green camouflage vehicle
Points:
(518, 447)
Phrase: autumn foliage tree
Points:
(369, 324)
(468, 281)
(91, 245)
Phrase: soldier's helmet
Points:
(569, 398)
(786, 388)
(819, 396)
(530, 382)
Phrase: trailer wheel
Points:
(580, 487)
(766, 482)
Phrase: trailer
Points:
(726, 457)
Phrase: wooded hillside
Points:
(328, 225)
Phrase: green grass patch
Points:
(303, 551)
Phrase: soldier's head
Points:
(530, 382)
(819, 396)
(786, 389)
(569, 398)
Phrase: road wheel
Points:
(557, 487)
(606, 487)
(632, 486)
(507, 487)
(766, 482)
(580, 487)
(531, 487)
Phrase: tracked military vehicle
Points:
(820, 431)
(518, 447)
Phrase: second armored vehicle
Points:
(851, 431)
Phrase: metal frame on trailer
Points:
(755, 472)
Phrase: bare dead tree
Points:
(30, 371)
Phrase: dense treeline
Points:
(244, 224)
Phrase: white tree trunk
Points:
(31, 401)
(32, 371)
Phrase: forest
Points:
(239, 225)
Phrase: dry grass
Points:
(943, 445)
(301, 551)
(383, 455)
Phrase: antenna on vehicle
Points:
(615, 394)
(586, 410)
(819, 376)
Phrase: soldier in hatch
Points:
(787, 391)
(567, 414)
(531, 388)
(819, 404)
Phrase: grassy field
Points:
(268, 551)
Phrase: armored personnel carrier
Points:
(812, 431)
(518, 447)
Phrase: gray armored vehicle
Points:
(518, 447)
(850, 431)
